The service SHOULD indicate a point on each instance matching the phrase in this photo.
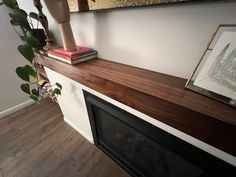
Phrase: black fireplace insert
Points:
(144, 150)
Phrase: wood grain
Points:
(160, 96)
(36, 142)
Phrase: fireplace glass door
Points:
(145, 150)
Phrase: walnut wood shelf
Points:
(160, 96)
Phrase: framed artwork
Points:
(215, 74)
(92, 5)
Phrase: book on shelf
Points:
(83, 54)
(57, 55)
(72, 53)
(74, 61)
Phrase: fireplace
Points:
(144, 150)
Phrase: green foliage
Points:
(17, 10)
(25, 72)
(35, 98)
(20, 19)
(27, 51)
(14, 23)
(35, 92)
(57, 91)
(30, 71)
(25, 88)
(33, 15)
(10, 3)
(34, 42)
(59, 86)
(22, 73)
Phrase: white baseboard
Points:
(15, 108)
(79, 130)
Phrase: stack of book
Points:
(72, 57)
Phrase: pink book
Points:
(69, 60)
(72, 53)
(53, 54)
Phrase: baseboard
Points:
(78, 130)
(15, 108)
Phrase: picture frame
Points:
(215, 73)
(101, 5)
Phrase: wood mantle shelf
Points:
(160, 96)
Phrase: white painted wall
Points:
(167, 39)
(10, 93)
(72, 103)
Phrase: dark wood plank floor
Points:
(36, 142)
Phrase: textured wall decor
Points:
(215, 75)
(85, 5)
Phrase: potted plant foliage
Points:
(23, 26)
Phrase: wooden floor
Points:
(36, 142)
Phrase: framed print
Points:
(94, 5)
(215, 74)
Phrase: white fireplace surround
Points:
(73, 107)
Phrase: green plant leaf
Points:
(21, 11)
(25, 88)
(59, 85)
(27, 51)
(20, 18)
(22, 73)
(35, 98)
(30, 71)
(13, 20)
(33, 15)
(10, 3)
(11, 15)
(33, 42)
(35, 92)
(57, 91)
(14, 23)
